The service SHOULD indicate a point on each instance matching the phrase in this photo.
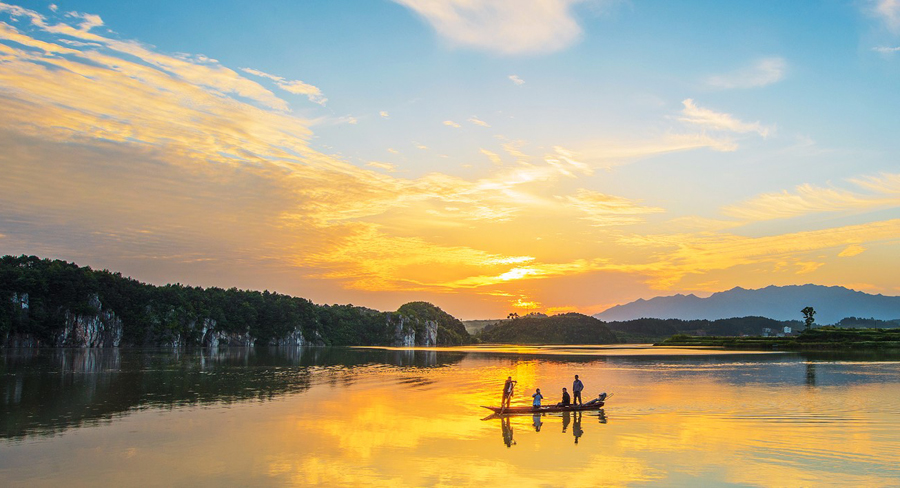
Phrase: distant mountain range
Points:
(832, 303)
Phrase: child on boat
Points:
(537, 398)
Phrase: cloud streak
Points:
(883, 191)
(511, 27)
(761, 73)
(709, 119)
(296, 87)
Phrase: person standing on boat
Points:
(507, 393)
(537, 398)
(577, 386)
(566, 401)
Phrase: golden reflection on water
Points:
(723, 420)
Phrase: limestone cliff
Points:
(99, 329)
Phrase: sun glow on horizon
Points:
(222, 169)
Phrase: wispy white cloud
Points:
(390, 168)
(605, 210)
(383, 114)
(888, 11)
(494, 157)
(886, 50)
(450, 123)
(710, 119)
(515, 79)
(803, 200)
(477, 121)
(514, 149)
(851, 250)
(761, 73)
(296, 87)
(502, 26)
(883, 191)
(88, 21)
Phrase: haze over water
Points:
(378, 417)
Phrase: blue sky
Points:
(487, 156)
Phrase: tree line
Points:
(153, 315)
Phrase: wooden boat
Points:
(526, 409)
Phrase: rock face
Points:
(100, 329)
(409, 332)
(213, 339)
(293, 339)
(20, 301)
(404, 332)
(429, 334)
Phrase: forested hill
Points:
(569, 328)
(55, 303)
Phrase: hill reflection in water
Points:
(45, 391)
(393, 417)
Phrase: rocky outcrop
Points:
(293, 339)
(404, 332)
(100, 329)
(214, 339)
(410, 332)
(428, 337)
(20, 301)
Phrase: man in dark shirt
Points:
(577, 386)
(566, 401)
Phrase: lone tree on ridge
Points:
(809, 316)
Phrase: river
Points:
(397, 417)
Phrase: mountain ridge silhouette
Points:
(832, 303)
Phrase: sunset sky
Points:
(486, 156)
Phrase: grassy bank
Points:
(820, 338)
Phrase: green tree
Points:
(809, 316)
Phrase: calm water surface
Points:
(377, 417)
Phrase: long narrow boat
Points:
(546, 408)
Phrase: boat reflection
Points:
(538, 419)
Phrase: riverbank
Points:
(820, 338)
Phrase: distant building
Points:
(787, 330)
(767, 332)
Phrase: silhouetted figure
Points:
(507, 432)
(566, 401)
(576, 427)
(567, 417)
(536, 418)
(577, 386)
(508, 388)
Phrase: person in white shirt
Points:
(577, 386)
